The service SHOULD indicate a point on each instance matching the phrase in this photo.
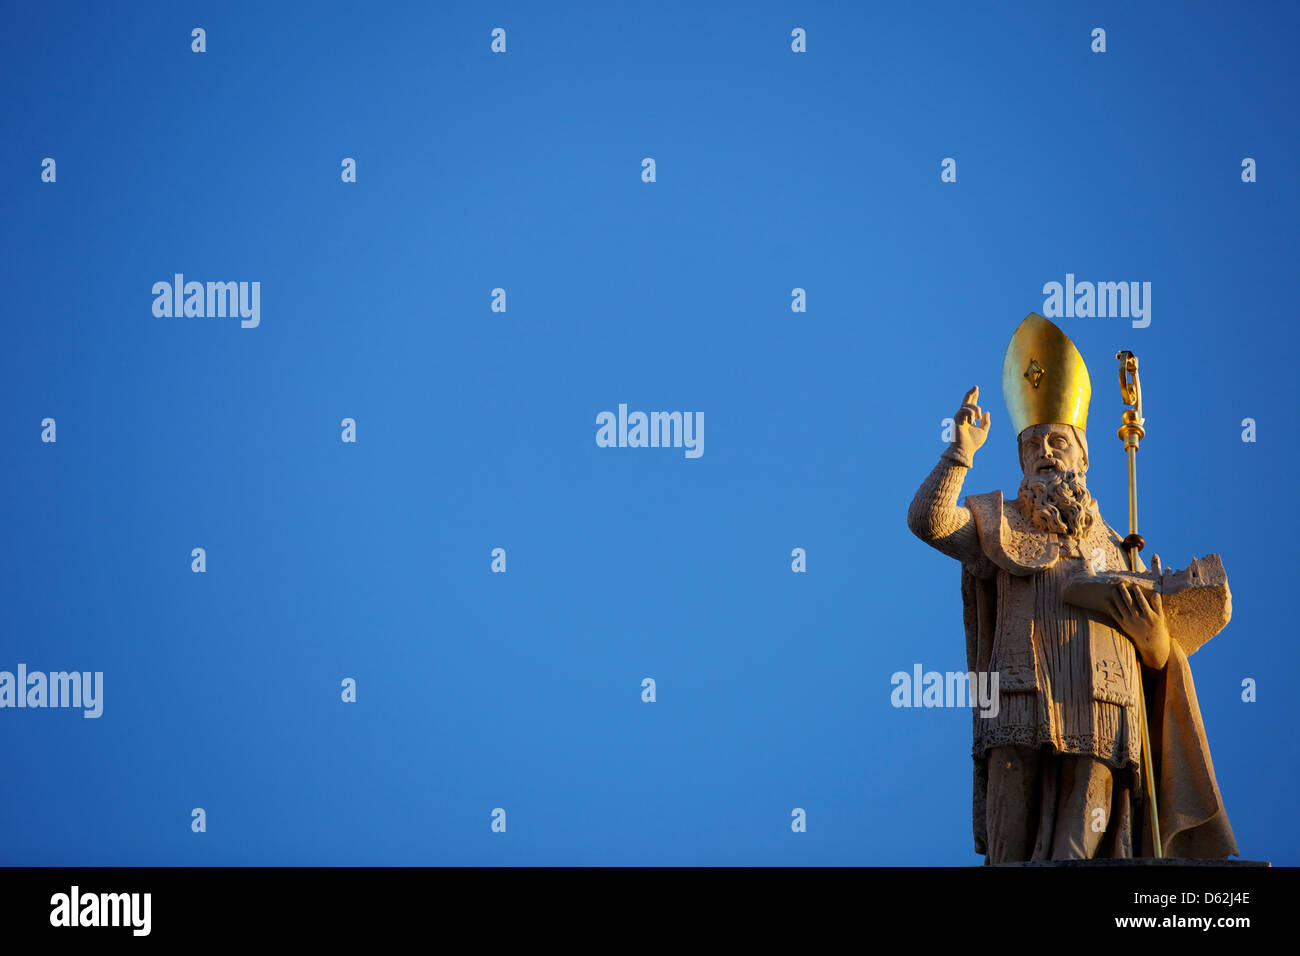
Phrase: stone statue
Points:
(1080, 640)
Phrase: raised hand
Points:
(970, 427)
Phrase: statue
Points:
(1090, 646)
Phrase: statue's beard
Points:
(1057, 501)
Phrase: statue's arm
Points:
(935, 516)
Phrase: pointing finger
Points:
(972, 397)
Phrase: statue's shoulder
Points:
(991, 508)
(989, 499)
(1103, 527)
(1007, 538)
(1104, 537)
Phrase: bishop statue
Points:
(1090, 646)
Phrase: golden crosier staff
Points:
(1132, 432)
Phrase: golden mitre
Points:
(1044, 380)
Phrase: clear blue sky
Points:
(476, 429)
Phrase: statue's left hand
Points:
(1141, 616)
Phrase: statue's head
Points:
(1054, 490)
(1046, 386)
(1054, 447)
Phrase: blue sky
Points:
(476, 429)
